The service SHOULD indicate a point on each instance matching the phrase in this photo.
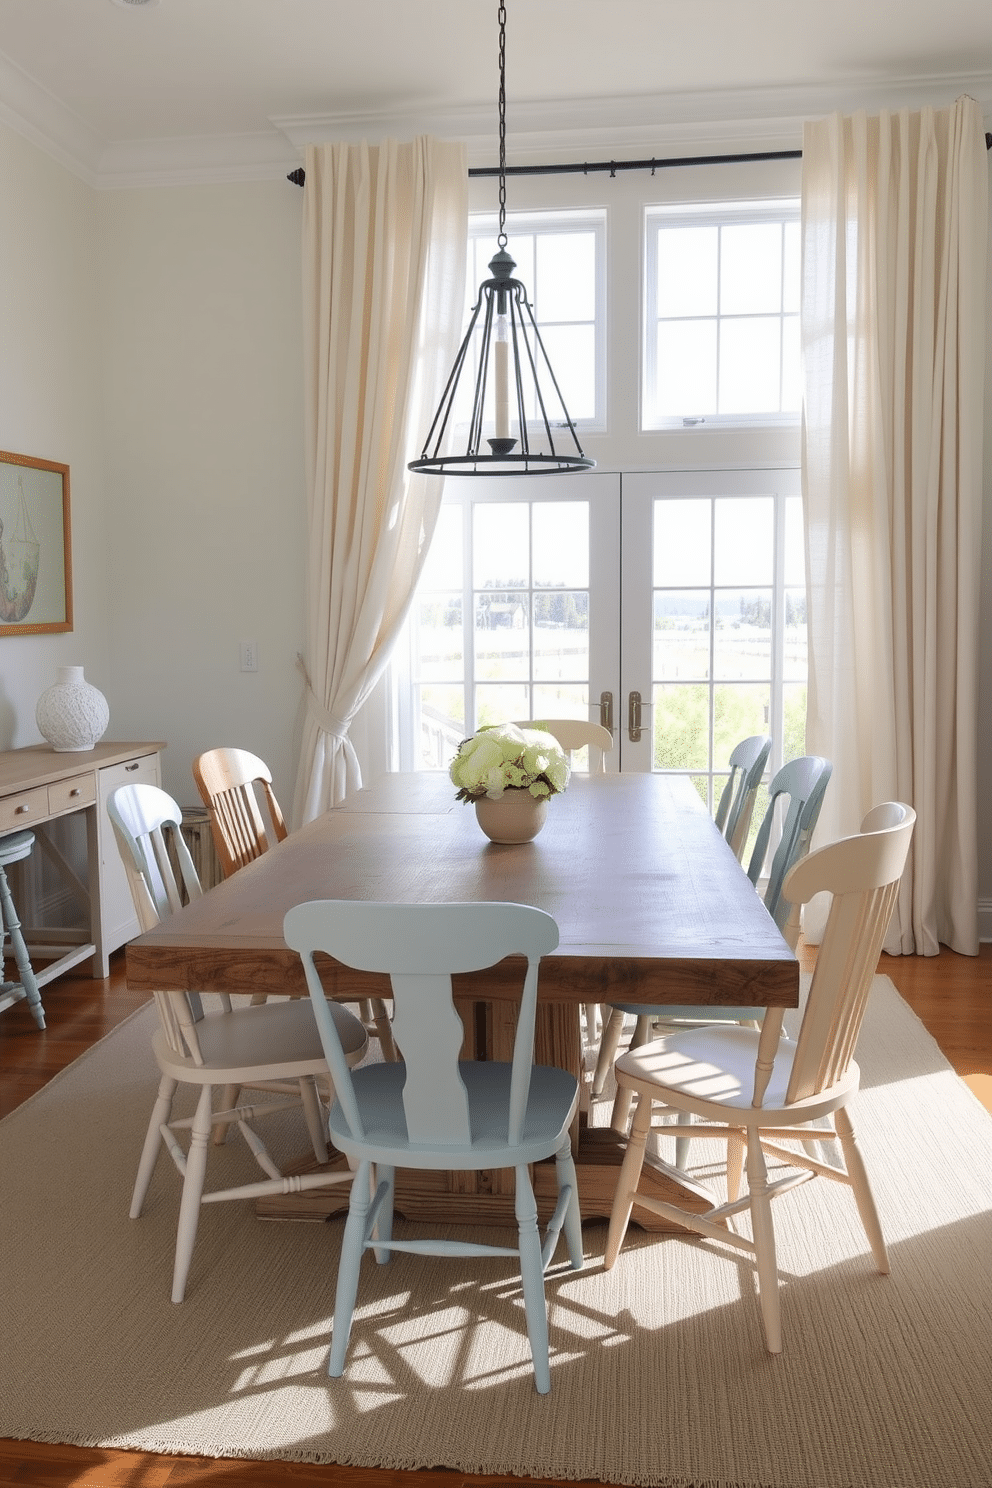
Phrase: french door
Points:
(669, 605)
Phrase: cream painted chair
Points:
(574, 734)
(230, 782)
(436, 1111)
(274, 1048)
(758, 1090)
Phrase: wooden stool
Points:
(14, 847)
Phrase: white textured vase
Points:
(72, 714)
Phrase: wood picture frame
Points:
(35, 550)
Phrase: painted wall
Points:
(200, 304)
(51, 408)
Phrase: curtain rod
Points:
(585, 168)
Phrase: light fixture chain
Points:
(501, 239)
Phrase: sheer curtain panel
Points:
(895, 229)
(384, 234)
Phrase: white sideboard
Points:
(39, 785)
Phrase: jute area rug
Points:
(659, 1374)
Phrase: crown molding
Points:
(567, 130)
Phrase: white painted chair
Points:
(434, 1110)
(14, 848)
(274, 1048)
(736, 805)
(758, 1089)
(229, 782)
(801, 783)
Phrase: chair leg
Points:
(620, 1117)
(863, 1196)
(229, 1100)
(161, 1112)
(630, 1173)
(352, 1249)
(189, 1207)
(313, 1114)
(763, 1233)
(384, 1029)
(25, 971)
(572, 1225)
(735, 1163)
(532, 1276)
(608, 1045)
(384, 1219)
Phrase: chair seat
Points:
(710, 1071)
(14, 846)
(282, 1037)
(552, 1103)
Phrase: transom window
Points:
(560, 259)
(721, 318)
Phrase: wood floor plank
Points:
(949, 993)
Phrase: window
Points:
(500, 625)
(721, 315)
(561, 262)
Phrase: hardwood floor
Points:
(951, 994)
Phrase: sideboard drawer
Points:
(23, 809)
(69, 795)
(144, 769)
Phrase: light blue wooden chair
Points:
(14, 847)
(797, 789)
(433, 1110)
(736, 806)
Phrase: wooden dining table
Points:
(651, 905)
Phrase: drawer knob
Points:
(132, 767)
(74, 791)
(21, 810)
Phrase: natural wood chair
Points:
(227, 780)
(275, 1047)
(736, 805)
(756, 1090)
(437, 1111)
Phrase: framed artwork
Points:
(35, 567)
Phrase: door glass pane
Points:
(682, 542)
(502, 635)
(681, 727)
(739, 711)
(681, 634)
(742, 636)
(744, 540)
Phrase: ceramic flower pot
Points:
(72, 714)
(516, 817)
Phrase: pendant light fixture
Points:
(517, 420)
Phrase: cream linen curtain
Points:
(384, 235)
(894, 227)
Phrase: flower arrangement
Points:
(505, 757)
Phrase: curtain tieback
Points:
(337, 728)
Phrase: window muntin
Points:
(721, 315)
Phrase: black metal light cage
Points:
(504, 296)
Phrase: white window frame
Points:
(485, 225)
(704, 214)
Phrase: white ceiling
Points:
(213, 89)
